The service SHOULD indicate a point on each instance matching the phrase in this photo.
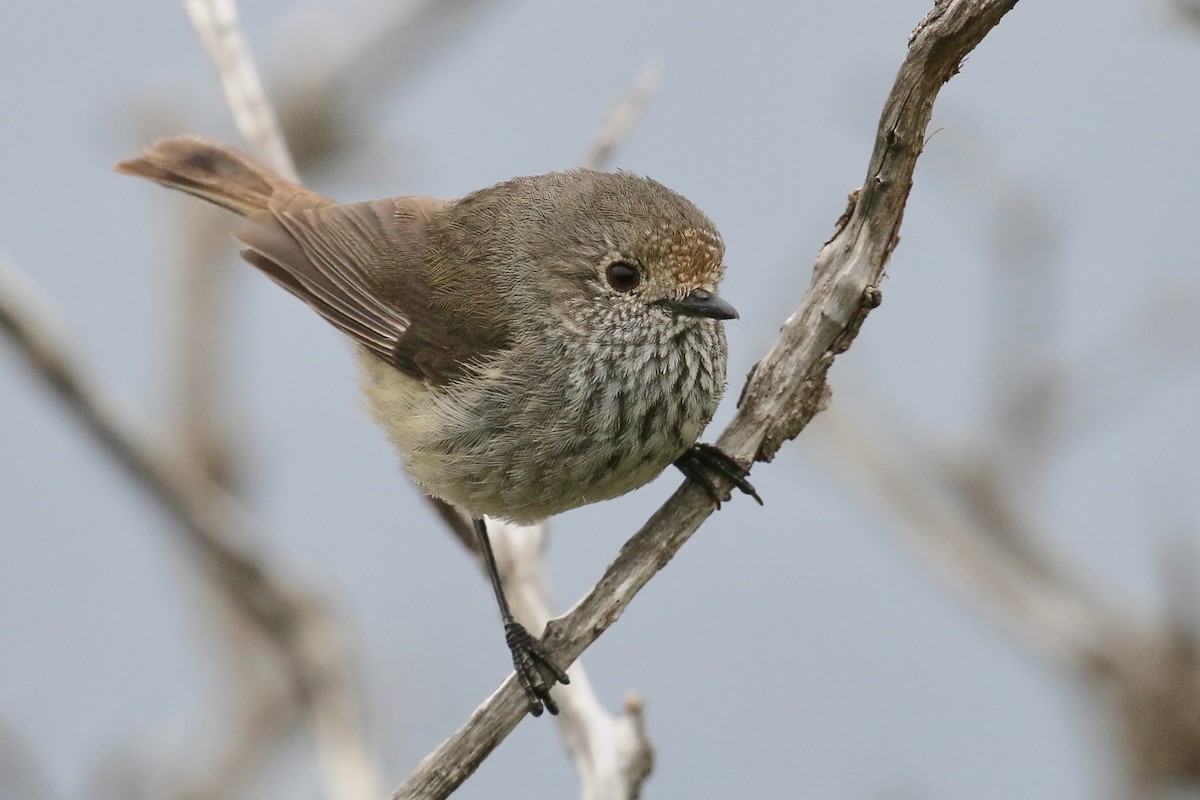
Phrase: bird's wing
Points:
(365, 268)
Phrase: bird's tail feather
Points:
(212, 172)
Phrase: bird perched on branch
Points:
(535, 346)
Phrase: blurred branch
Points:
(1179, 557)
(784, 390)
(216, 529)
(217, 24)
(964, 512)
(265, 712)
(624, 117)
(1024, 248)
(330, 92)
(1079, 395)
(265, 717)
(262, 711)
(1187, 11)
(21, 774)
(976, 546)
(1037, 403)
(198, 367)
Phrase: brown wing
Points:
(364, 268)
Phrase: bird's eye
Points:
(623, 276)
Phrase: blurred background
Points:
(1032, 373)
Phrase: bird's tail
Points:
(212, 172)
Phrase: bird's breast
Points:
(524, 440)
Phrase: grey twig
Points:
(784, 391)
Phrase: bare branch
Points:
(625, 116)
(217, 24)
(784, 390)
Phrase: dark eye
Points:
(623, 276)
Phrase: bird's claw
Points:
(701, 461)
(536, 671)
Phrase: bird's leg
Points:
(701, 461)
(536, 671)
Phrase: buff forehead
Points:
(692, 256)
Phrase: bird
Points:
(541, 344)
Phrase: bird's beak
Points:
(701, 303)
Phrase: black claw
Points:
(700, 461)
(697, 475)
(536, 671)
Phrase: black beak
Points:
(701, 303)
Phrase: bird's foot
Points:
(535, 670)
(701, 461)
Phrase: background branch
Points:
(977, 549)
(216, 530)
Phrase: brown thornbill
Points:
(541, 344)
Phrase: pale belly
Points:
(524, 448)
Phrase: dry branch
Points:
(784, 390)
